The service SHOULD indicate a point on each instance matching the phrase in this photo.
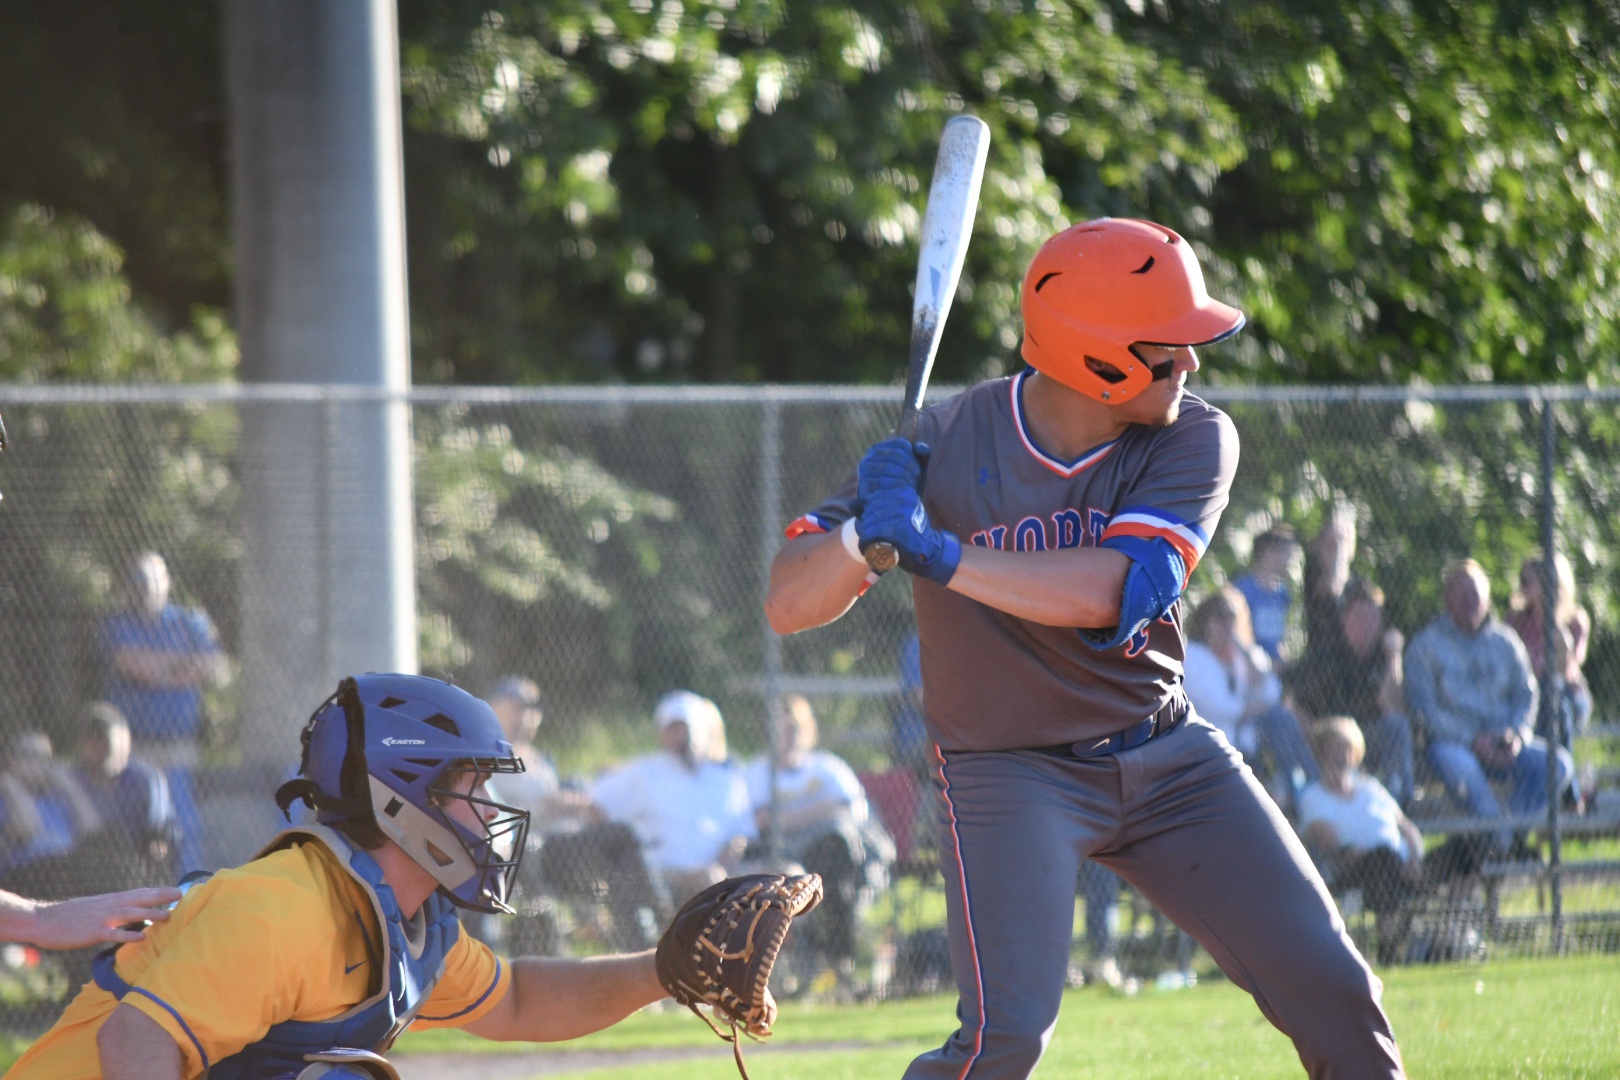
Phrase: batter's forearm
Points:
(1079, 587)
(813, 581)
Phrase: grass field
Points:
(1516, 1018)
(1504, 1019)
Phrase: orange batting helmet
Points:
(1098, 289)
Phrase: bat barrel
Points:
(953, 197)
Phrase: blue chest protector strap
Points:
(407, 975)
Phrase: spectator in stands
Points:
(1357, 833)
(537, 789)
(158, 657)
(1469, 683)
(711, 743)
(1353, 826)
(1231, 684)
(1327, 575)
(811, 804)
(43, 810)
(1265, 587)
(690, 813)
(1572, 629)
(130, 795)
(1359, 673)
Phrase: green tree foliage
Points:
(89, 486)
(730, 189)
(723, 190)
(67, 312)
(115, 113)
(514, 525)
(1429, 189)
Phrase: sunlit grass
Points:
(1509, 1019)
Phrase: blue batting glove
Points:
(892, 463)
(897, 517)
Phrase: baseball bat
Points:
(953, 197)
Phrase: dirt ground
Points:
(568, 1062)
(544, 1063)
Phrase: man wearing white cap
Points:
(691, 813)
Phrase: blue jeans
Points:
(1468, 781)
(183, 794)
(1389, 755)
(1282, 740)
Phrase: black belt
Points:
(1169, 717)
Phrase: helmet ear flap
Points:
(352, 783)
(354, 792)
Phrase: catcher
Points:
(309, 961)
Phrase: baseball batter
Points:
(1050, 522)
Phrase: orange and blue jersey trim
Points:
(809, 524)
(1153, 524)
(1056, 464)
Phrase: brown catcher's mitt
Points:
(722, 944)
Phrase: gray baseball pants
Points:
(1185, 822)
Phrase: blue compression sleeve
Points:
(1152, 584)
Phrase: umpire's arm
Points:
(556, 999)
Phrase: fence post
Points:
(1552, 681)
(770, 523)
(325, 432)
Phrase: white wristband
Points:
(852, 541)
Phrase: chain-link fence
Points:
(611, 545)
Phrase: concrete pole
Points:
(327, 585)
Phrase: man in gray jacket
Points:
(1469, 681)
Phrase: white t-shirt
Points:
(1368, 818)
(684, 817)
(1224, 697)
(819, 777)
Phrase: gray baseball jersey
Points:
(993, 681)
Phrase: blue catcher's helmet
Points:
(390, 749)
